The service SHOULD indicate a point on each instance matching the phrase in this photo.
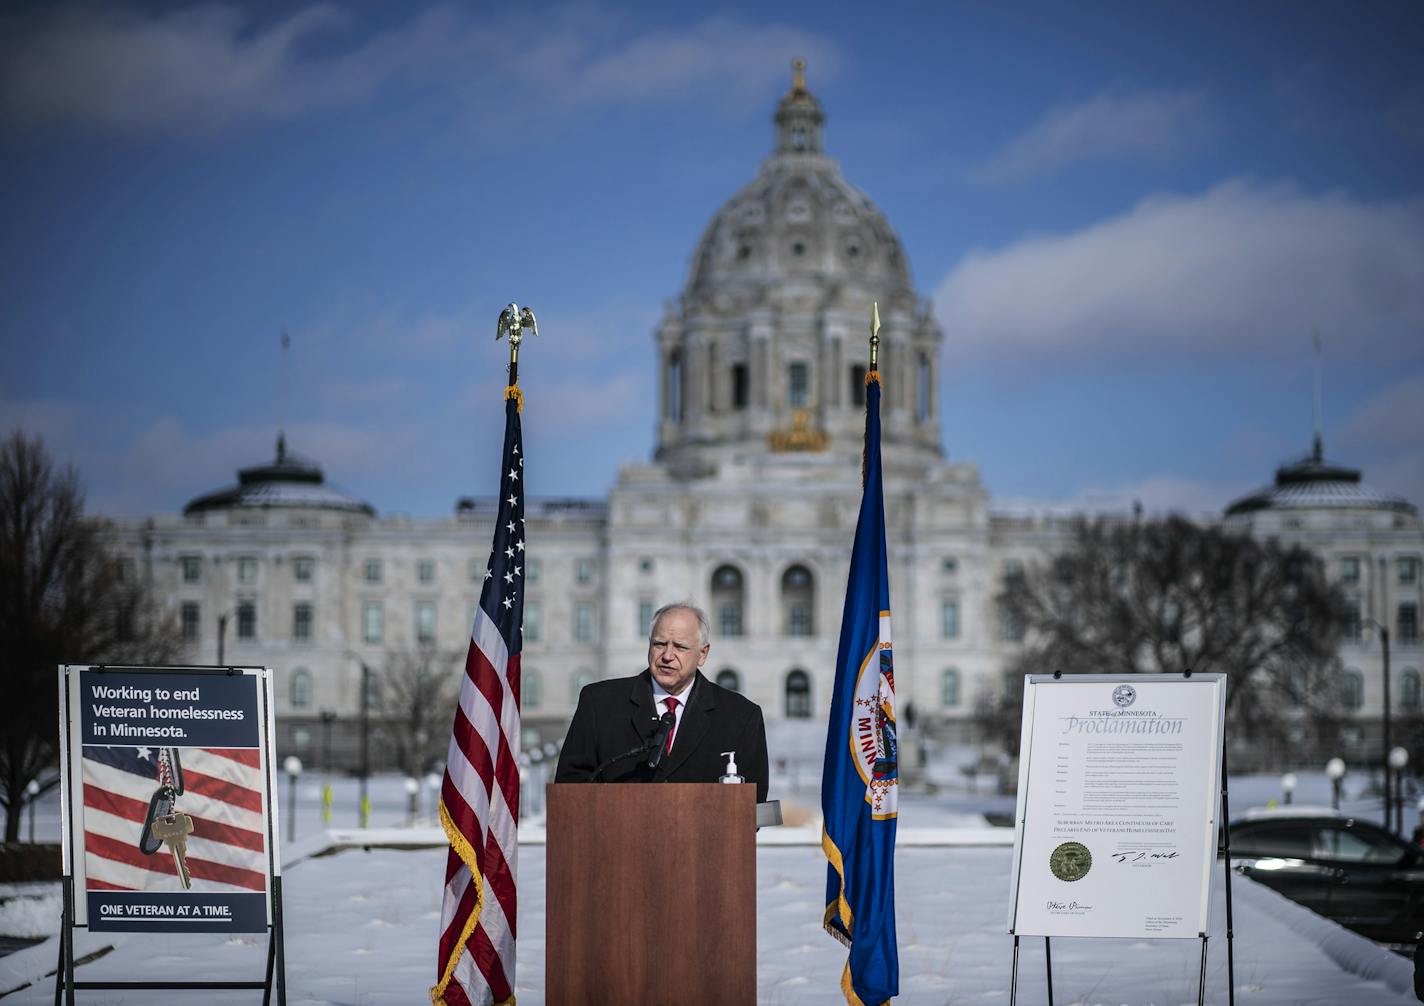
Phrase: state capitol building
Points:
(747, 508)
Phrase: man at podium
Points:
(669, 723)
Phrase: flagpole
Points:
(480, 793)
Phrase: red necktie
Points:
(672, 708)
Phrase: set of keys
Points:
(173, 831)
(165, 825)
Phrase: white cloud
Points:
(1108, 127)
(213, 66)
(1236, 272)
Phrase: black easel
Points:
(1224, 844)
(276, 971)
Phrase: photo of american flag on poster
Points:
(221, 792)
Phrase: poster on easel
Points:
(168, 811)
(1118, 805)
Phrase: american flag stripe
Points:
(137, 810)
(227, 850)
(479, 807)
(106, 779)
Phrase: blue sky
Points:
(1131, 219)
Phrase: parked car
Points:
(1352, 871)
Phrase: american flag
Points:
(222, 793)
(479, 800)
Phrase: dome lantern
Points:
(799, 118)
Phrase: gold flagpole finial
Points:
(513, 320)
(874, 334)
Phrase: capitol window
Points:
(1352, 689)
(949, 687)
(1408, 570)
(1350, 569)
(192, 568)
(425, 622)
(1407, 621)
(798, 388)
(247, 620)
(740, 394)
(949, 619)
(301, 688)
(302, 621)
(192, 621)
(798, 695)
(727, 600)
(857, 386)
(729, 679)
(425, 570)
(373, 622)
(302, 567)
(583, 622)
(798, 600)
(247, 569)
(531, 689)
(371, 571)
(1409, 682)
(533, 621)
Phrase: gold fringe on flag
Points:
(467, 855)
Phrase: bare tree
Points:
(64, 598)
(418, 690)
(1171, 595)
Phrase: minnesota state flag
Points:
(860, 783)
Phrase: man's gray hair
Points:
(704, 628)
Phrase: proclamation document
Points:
(1118, 805)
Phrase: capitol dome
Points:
(1316, 484)
(287, 482)
(767, 347)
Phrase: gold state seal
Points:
(1070, 861)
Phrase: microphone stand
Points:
(652, 747)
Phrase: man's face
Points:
(676, 650)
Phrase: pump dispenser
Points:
(730, 773)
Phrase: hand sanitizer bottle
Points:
(730, 774)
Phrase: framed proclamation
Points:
(1119, 804)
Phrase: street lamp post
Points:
(32, 792)
(222, 637)
(1335, 770)
(1288, 782)
(328, 717)
(365, 805)
(293, 767)
(1398, 759)
(1384, 759)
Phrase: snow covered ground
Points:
(362, 924)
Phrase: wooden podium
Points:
(651, 894)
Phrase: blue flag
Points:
(860, 783)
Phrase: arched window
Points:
(798, 601)
(798, 696)
(531, 688)
(728, 600)
(301, 688)
(580, 679)
(1353, 689)
(1409, 688)
(949, 687)
(729, 679)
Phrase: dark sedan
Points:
(1352, 871)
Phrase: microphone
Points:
(654, 743)
(659, 739)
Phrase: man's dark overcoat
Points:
(619, 715)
